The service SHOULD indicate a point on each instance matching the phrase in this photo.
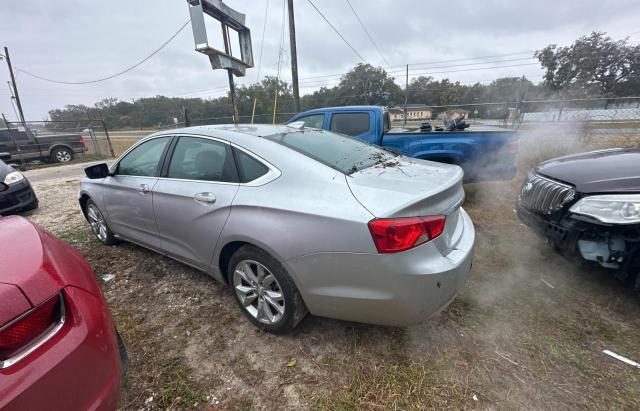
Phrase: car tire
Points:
(61, 155)
(124, 358)
(262, 287)
(99, 225)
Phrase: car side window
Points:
(143, 160)
(249, 167)
(351, 124)
(197, 158)
(314, 120)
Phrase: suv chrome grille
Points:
(542, 195)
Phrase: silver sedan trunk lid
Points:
(406, 187)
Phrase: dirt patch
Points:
(527, 331)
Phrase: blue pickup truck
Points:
(484, 153)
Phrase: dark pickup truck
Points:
(25, 145)
(484, 153)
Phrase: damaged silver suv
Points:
(588, 206)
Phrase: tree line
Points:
(593, 66)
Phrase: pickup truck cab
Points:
(484, 153)
(25, 145)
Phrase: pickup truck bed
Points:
(484, 153)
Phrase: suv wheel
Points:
(61, 155)
(264, 291)
(98, 224)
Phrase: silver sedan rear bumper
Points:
(389, 289)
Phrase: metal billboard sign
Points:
(229, 19)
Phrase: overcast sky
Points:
(83, 40)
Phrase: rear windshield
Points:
(337, 151)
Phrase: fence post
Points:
(92, 136)
(96, 145)
(506, 114)
(106, 133)
(521, 113)
(560, 111)
(187, 120)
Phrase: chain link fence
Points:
(599, 123)
(546, 127)
(277, 118)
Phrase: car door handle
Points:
(144, 189)
(208, 198)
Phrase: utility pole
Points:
(294, 57)
(13, 100)
(232, 86)
(15, 86)
(406, 96)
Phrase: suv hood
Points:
(407, 187)
(605, 171)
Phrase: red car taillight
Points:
(32, 326)
(392, 235)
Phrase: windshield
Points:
(337, 151)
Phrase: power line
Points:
(113, 75)
(337, 32)
(264, 27)
(429, 63)
(281, 49)
(432, 63)
(309, 82)
(483, 82)
(445, 71)
(309, 79)
(475, 69)
(368, 35)
(463, 64)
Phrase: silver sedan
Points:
(294, 220)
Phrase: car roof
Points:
(217, 130)
(241, 134)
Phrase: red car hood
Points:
(37, 263)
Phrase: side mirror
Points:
(97, 171)
(5, 156)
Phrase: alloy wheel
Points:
(63, 156)
(259, 291)
(97, 223)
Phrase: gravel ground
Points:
(527, 331)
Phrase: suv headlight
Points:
(613, 208)
(13, 177)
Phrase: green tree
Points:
(593, 65)
(366, 84)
